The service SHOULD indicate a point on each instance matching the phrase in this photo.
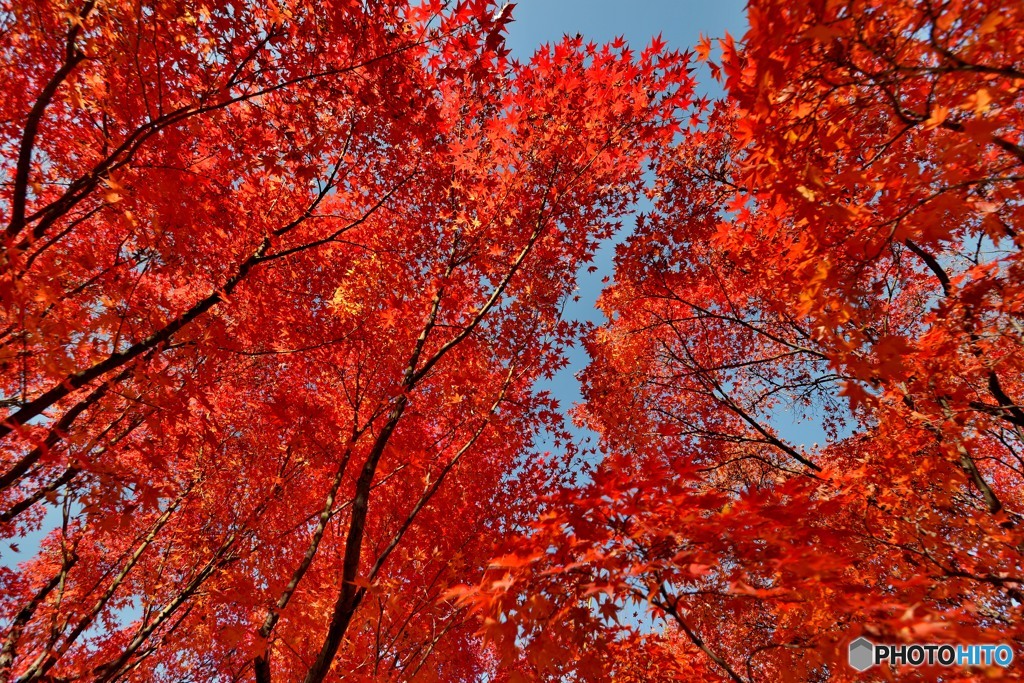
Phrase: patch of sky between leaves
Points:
(680, 23)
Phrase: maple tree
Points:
(836, 243)
(278, 281)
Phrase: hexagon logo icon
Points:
(862, 654)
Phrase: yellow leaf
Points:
(982, 99)
(991, 23)
(938, 117)
(806, 193)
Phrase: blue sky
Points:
(680, 23)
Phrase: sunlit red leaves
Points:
(267, 263)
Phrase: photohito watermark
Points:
(864, 654)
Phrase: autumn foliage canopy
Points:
(282, 285)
